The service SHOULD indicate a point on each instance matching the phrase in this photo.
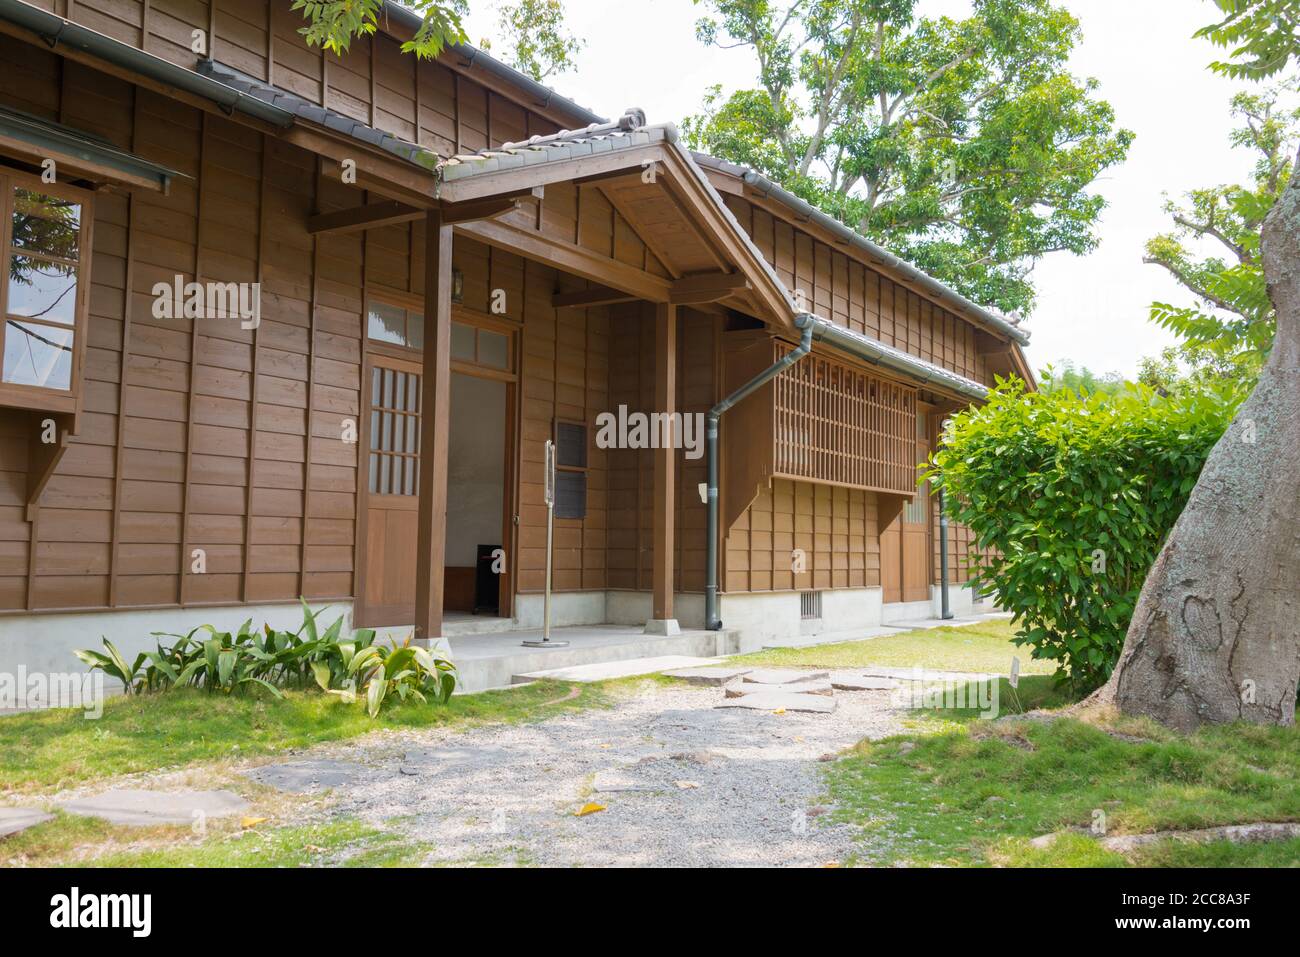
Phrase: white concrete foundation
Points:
(46, 643)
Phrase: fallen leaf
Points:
(831, 864)
(589, 808)
(779, 711)
(252, 821)
(687, 785)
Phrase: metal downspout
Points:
(945, 608)
(806, 324)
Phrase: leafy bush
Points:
(226, 662)
(1069, 499)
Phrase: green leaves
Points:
(964, 145)
(226, 663)
(1262, 37)
(1069, 497)
(1229, 331)
(333, 24)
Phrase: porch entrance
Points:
(905, 545)
(480, 467)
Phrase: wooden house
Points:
(445, 265)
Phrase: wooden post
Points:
(435, 424)
(662, 621)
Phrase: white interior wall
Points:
(475, 467)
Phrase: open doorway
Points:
(480, 466)
(476, 495)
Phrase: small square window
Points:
(462, 342)
(387, 323)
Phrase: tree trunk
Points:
(1215, 636)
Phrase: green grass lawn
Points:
(961, 791)
(984, 647)
(73, 841)
(48, 750)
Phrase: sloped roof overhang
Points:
(86, 155)
(624, 146)
(56, 31)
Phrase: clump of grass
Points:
(983, 647)
(964, 794)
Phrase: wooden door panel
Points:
(392, 390)
(891, 562)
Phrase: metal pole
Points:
(945, 611)
(550, 539)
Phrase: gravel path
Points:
(714, 786)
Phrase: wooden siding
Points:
(374, 82)
(834, 527)
(842, 288)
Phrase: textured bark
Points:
(1215, 636)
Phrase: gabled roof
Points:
(946, 296)
(626, 144)
(562, 155)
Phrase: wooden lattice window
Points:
(839, 425)
(394, 432)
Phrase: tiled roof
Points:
(330, 119)
(627, 132)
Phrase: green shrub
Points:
(226, 662)
(1069, 499)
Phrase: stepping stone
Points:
(304, 777)
(131, 806)
(614, 782)
(738, 689)
(708, 676)
(16, 819)
(842, 681)
(781, 676)
(781, 700)
(699, 757)
(451, 758)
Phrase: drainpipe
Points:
(805, 323)
(945, 610)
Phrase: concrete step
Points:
(499, 659)
(604, 670)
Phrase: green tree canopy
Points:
(964, 145)
(536, 40)
(1262, 37)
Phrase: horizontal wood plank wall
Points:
(374, 82)
(564, 374)
(850, 293)
(162, 465)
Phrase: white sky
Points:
(1093, 309)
